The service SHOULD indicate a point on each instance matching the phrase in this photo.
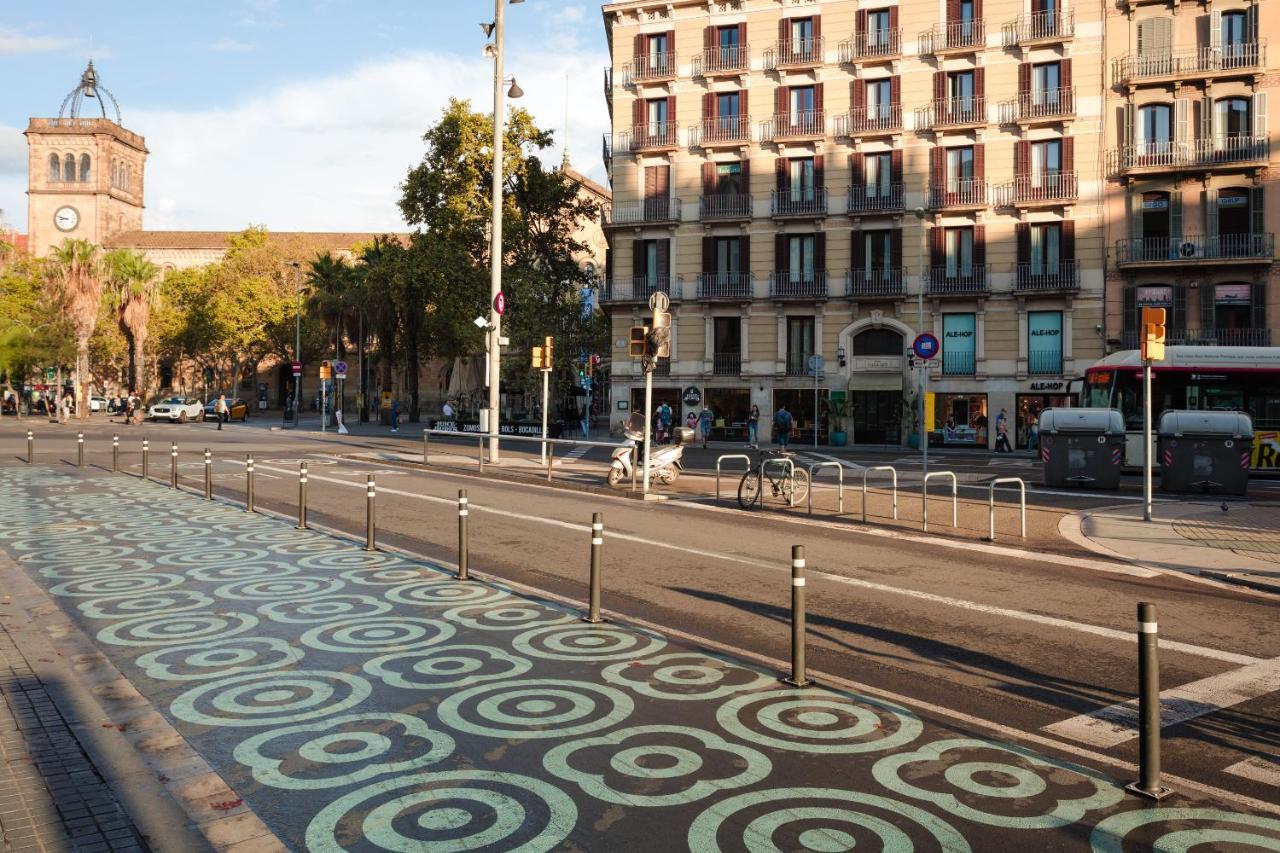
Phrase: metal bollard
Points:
(173, 465)
(462, 535)
(146, 454)
(248, 482)
(597, 543)
(798, 677)
(370, 491)
(1148, 784)
(302, 496)
(551, 452)
(480, 455)
(208, 474)
(426, 446)
(115, 454)
(79, 450)
(31, 447)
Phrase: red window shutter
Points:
(820, 252)
(937, 246)
(651, 181)
(1068, 154)
(953, 11)
(1024, 79)
(858, 251)
(709, 105)
(895, 166)
(817, 97)
(782, 172)
(979, 245)
(817, 27)
(938, 168)
(1023, 232)
(819, 171)
(671, 113)
(708, 254)
(708, 37)
(708, 178)
(980, 161)
(857, 169)
(743, 109)
(860, 25)
(746, 176)
(784, 30)
(1022, 158)
(638, 115)
(780, 100)
(671, 43)
(1069, 240)
(638, 256)
(895, 248)
(893, 19)
(979, 82)
(858, 96)
(1064, 73)
(742, 36)
(977, 10)
(781, 255)
(744, 254)
(664, 257)
(639, 47)
(940, 86)
(895, 91)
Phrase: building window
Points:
(879, 174)
(1046, 162)
(800, 257)
(882, 342)
(802, 36)
(801, 180)
(55, 168)
(1155, 129)
(1235, 214)
(84, 167)
(961, 87)
(1044, 342)
(1046, 248)
(959, 252)
(799, 344)
(879, 100)
(1232, 308)
(959, 343)
(878, 34)
(69, 168)
(878, 246)
(1046, 82)
(729, 178)
(1231, 118)
(959, 169)
(657, 115)
(728, 257)
(1235, 36)
(803, 104)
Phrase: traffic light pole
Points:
(1146, 440)
(648, 419)
(546, 384)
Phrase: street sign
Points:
(500, 303)
(925, 346)
(325, 370)
(297, 368)
(50, 373)
(659, 301)
(816, 363)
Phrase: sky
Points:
(300, 115)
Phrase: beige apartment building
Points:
(800, 175)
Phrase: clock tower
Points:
(84, 172)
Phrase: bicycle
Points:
(790, 483)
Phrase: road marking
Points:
(825, 458)
(1053, 621)
(1257, 769)
(575, 453)
(1117, 724)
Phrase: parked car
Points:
(180, 409)
(97, 404)
(237, 409)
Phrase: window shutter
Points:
(940, 86)
(1163, 31)
(1068, 154)
(708, 178)
(1251, 23)
(1206, 118)
(1135, 215)
(784, 30)
(819, 172)
(744, 254)
(860, 28)
(743, 109)
(781, 256)
(1022, 231)
(938, 168)
(671, 48)
(1130, 125)
(1182, 121)
(977, 10)
(1258, 305)
(820, 253)
(1207, 298)
(953, 10)
(895, 91)
(980, 161)
(1257, 210)
(742, 36)
(1260, 116)
(746, 176)
(708, 37)
(1215, 30)
(708, 255)
(979, 82)
(979, 245)
(1179, 319)
(1130, 318)
(937, 246)
(1024, 78)
(671, 118)
(1210, 200)
(1067, 251)
(858, 169)
(895, 248)
(1064, 74)
(639, 255)
(650, 182)
(895, 165)
(709, 105)
(1144, 37)
(858, 97)
(1175, 215)
(857, 251)
(639, 52)
(1022, 158)
(817, 97)
(780, 100)
(782, 173)
(638, 115)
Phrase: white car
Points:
(97, 404)
(180, 409)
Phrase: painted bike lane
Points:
(363, 701)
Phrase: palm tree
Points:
(135, 284)
(331, 280)
(75, 276)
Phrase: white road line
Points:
(1117, 724)
(845, 462)
(1257, 769)
(782, 566)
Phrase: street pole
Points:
(922, 383)
(495, 248)
(816, 371)
(546, 386)
(1146, 440)
(648, 419)
(297, 341)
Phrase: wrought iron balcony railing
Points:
(649, 210)
(726, 364)
(954, 36)
(724, 206)
(873, 44)
(886, 118)
(727, 59)
(1048, 187)
(795, 53)
(958, 363)
(804, 285)
(637, 288)
(942, 280)
(799, 201)
(875, 198)
(1194, 62)
(653, 66)
(1202, 153)
(721, 130)
(952, 112)
(724, 285)
(1039, 27)
(1253, 337)
(1033, 277)
(1044, 362)
(608, 88)
(803, 124)
(965, 192)
(1190, 248)
(1046, 105)
(874, 282)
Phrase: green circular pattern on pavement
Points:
(126, 607)
(291, 588)
(447, 667)
(218, 659)
(506, 616)
(378, 634)
(324, 610)
(176, 628)
(687, 676)
(813, 720)
(1172, 830)
(117, 585)
(226, 557)
(578, 641)
(444, 593)
(576, 708)
(270, 698)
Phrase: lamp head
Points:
(515, 91)
(488, 29)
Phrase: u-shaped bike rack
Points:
(839, 488)
(991, 504)
(721, 459)
(891, 470)
(924, 497)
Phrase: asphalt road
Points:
(1009, 635)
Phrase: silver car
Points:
(180, 409)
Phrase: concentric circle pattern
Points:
(177, 628)
(1185, 829)
(508, 615)
(444, 593)
(125, 607)
(372, 635)
(448, 666)
(325, 609)
(818, 721)
(687, 676)
(270, 698)
(290, 588)
(526, 709)
(218, 659)
(578, 641)
(115, 585)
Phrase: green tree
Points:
(75, 274)
(135, 284)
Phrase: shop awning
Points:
(875, 382)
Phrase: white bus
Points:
(1243, 379)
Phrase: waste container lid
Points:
(1097, 421)
(1178, 422)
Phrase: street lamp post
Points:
(921, 433)
(297, 339)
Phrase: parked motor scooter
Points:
(664, 461)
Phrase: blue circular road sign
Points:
(925, 346)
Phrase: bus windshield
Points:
(1256, 393)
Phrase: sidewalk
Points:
(1232, 541)
(360, 701)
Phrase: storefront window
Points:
(960, 419)
(799, 402)
(1044, 342)
(1029, 408)
(958, 343)
(730, 407)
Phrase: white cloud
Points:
(13, 152)
(229, 45)
(329, 154)
(14, 43)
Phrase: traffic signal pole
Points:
(1146, 440)
(648, 420)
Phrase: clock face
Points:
(66, 218)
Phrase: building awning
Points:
(875, 382)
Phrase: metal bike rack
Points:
(722, 459)
(777, 461)
(891, 470)
(839, 487)
(482, 437)
(991, 504)
(924, 497)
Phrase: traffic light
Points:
(542, 355)
(638, 341)
(659, 345)
(1153, 334)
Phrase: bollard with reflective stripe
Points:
(798, 677)
(463, 507)
(597, 543)
(480, 455)
(426, 446)
(173, 466)
(79, 450)
(146, 457)
(208, 474)
(115, 454)
(248, 482)
(370, 491)
(31, 447)
(551, 452)
(302, 496)
(1148, 784)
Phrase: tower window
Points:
(55, 169)
(69, 168)
(84, 167)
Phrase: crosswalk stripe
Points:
(1257, 769)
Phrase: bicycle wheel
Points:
(796, 488)
(749, 489)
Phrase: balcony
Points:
(798, 363)
(653, 67)
(655, 136)
(870, 121)
(1039, 278)
(649, 211)
(807, 286)
(872, 46)
(874, 283)
(954, 37)
(958, 363)
(1046, 190)
(798, 203)
(608, 89)
(1131, 339)
(727, 131)
(962, 194)
(1044, 362)
(726, 364)
(1044, 107)
(606, 149)
(1223, 152)
(796, 126)
(1039, 29)
(940, 281)
(795, 53)
(662, 367)
(1200, 63)
(875, 198)
(725, 60)
(734, 286)
(724, 207)
(1196, 249)
(953, 114)
(636, 288)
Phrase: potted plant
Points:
(911, 415)
(840, 410)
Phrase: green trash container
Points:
(1082, 447)
(1205, 452)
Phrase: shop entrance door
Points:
(877, 417)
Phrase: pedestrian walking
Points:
(448, 411)
(753, 427)
(1002, 432)
(782, 422)
(395, 415)
(705, 417)
(665, 418)
(220, 410)
(1033, 432)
